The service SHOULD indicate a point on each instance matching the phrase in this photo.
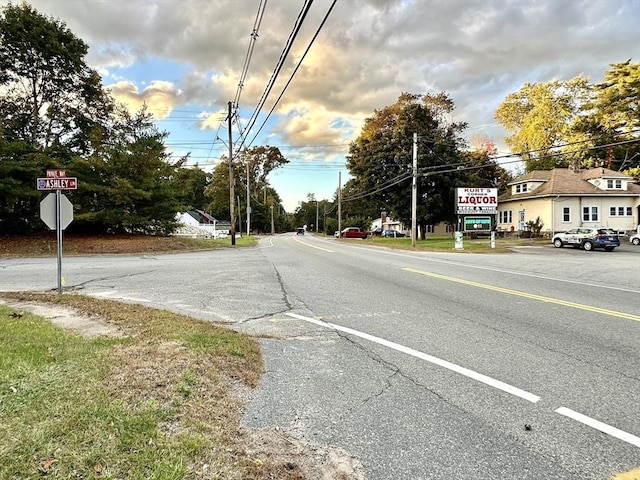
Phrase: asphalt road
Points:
(422, 365)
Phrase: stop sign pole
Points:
(57, 180)
(59, 240)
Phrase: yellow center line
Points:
(532, 296)
(312, 246)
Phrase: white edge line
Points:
(428, 358)
(598, 425)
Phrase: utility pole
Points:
(273, 228)
(339, 203)
(414, 190)
(248, 202)
(316, 215)
(232, 211)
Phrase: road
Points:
(422, 365)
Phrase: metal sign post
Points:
(59, 239)
(56, 211)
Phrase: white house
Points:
(566, 198)
(196, 223)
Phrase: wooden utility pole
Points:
(414, 190)
(339, 203)
(232, 211)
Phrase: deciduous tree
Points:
(380, 159)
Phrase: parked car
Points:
(300, 231)
(635, 239)
(354, 232)
(393, 233)
(376, 232)
(587, 238)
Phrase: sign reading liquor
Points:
(476, 201)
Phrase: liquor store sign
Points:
(476, 201)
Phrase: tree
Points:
(539, 118)
(611, 119)
(217, 192)
(128, 181)
(380, 159)
(52, 104)
(190, 184)
(258, 162)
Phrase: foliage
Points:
(256, 163)
(128, 181)
(323, 210)
(482, 171)
(538, 118)
(52, 104)
(575, 123)
(190, 184)
(55, 114)
(380, 160)
(535, 226)
(612, 119)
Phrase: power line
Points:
(285, 52)
(295, 70)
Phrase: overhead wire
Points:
(285, 53)
(295, 70)
(252, 42)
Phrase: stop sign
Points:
(48, 211)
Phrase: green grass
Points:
(447, 244)
(155, 403)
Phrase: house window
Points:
(614, 184)
(505, 216)
(620, 211)
(566, 214)
(521, 188)
(589, 214)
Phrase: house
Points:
(196, 223)
(386, 223)
(565, 198)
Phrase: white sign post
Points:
(56, 211)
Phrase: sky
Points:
(187, 59)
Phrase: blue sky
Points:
(184, 60)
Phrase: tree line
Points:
(55, 114)
(556, 124)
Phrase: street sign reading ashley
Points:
(66, 183)
(56, 211)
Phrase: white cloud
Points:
(366, 55)
(159, 97)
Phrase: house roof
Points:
(199, 215)
(564, 182)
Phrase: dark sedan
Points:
(392, 233)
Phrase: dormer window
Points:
(614, 184)
(521, 188)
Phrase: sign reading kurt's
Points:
(476, 201)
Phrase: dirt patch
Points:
(46, 245)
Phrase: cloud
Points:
(159, 97)
(188, 55)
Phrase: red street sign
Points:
(56, 173)
(70, 183)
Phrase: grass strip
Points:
(156, 403)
